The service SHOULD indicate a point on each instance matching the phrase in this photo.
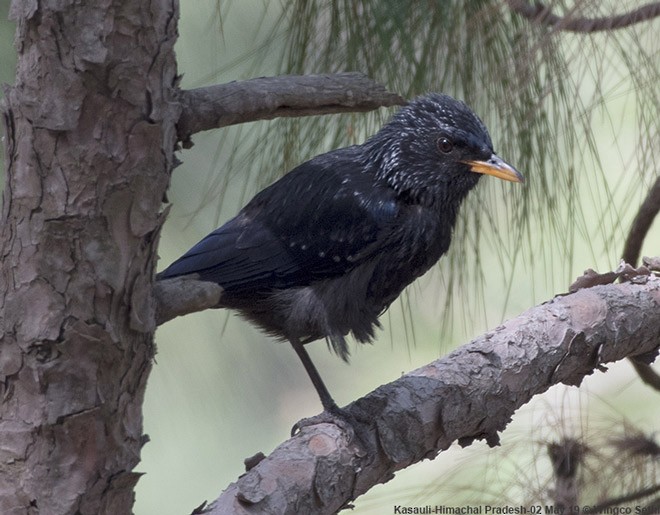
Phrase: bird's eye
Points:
(444, 145)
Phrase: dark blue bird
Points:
(324, 251)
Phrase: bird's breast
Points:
(416, 246)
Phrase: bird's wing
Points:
(319, 221)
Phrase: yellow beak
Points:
(496, 167)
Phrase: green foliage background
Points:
(577, 114)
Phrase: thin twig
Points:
(566, 457)
(635, 496)
(541, 14)
(641, 225)
(646, 373)
(631, 252)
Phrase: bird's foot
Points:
(333, 415)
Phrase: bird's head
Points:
(434, 150)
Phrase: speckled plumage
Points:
(323, 251)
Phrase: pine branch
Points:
(470, 394)
(543, 15)
(266, 98)
(641, 224)
(184, 295)
(631, 252)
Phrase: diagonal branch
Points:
(470, 394)
(541, 14)
(641, 224)
(631, 251)
(272, 97)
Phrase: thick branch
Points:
(470, 394)
(539, 13)
(272, 97)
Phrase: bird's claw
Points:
(336, 416)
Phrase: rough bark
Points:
(285, 96)
(90, 136)
(184, 295)
(470, 394)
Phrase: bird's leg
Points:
(326, 399)
(332, 414)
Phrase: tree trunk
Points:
(90, 139)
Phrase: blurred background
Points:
(577, 114)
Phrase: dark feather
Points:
(324, 251)
(317, 222)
